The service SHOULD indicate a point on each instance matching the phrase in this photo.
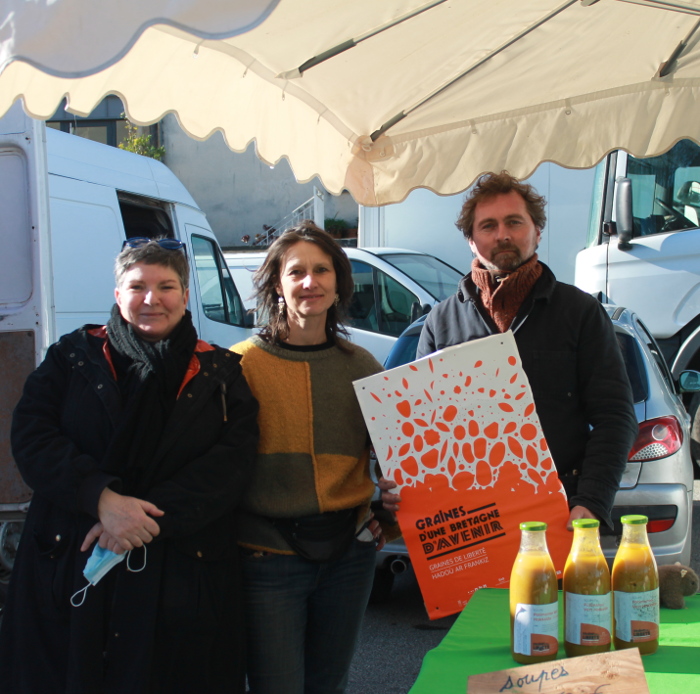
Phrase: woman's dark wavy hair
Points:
(267, 278)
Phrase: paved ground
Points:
(395, 637)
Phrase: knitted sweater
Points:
(313, 453)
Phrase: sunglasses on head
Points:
(139, 241)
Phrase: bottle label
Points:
(588, 619)
(535, 629)
(637, 615)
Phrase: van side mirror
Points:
(249, 319)
(689, 381)
(623, 213)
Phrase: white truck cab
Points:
(643, 250)
(66, 206)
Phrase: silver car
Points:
(658, 479)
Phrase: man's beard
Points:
(506, 262)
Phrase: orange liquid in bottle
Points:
(635, 582)
(635, 572)
(533, 597)
(587, 599)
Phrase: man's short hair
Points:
(491, 184)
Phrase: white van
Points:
(66, 206)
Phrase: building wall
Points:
(238, 192)
(426, 221)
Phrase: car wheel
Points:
(381, 588)
(694, 410)
(9, 540)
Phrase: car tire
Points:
(694, 411)
(381, 588)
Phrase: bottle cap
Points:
(533, 525)
(585, 523)
(634, 520)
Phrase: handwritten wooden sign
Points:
(616, 672)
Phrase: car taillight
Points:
(658, 526)
(657, 438)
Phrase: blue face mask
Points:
(98, 565)
(100, 562)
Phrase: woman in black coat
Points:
(140, 438)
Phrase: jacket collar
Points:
(192, 368)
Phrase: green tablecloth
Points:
(479, 641)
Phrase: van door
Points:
(222, 318)
(87, 232)
(25, 297)
(21, 313)
(25, 303)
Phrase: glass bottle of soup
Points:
(534, 608)
(635, 583)
(587, 599)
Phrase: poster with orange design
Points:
(459, 433)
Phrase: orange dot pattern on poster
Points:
(467, 436)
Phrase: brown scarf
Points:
(503, 298)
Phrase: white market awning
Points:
(376, 96)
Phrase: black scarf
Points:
(149, 376)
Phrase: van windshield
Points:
(437, 278)
(666, 190)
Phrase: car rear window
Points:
(634, 363)
(437, 278)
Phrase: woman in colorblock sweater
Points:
(305, 529)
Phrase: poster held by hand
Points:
(459, 434)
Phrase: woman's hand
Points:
(389, 501)
(104, 540)
(126, 520)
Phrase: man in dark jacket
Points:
(565, 338)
